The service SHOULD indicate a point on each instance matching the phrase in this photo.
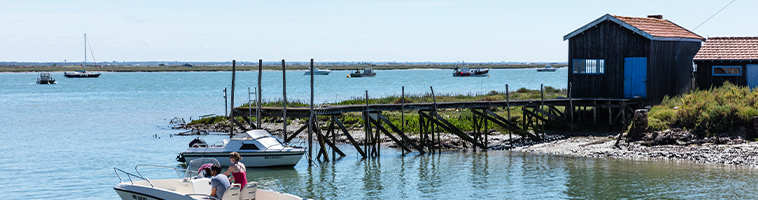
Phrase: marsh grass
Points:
(707, 112)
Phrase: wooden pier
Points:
(572, 113)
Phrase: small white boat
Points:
(258, 148)
(317, 71)
(45, 78)
(547, 68)
(193, 185)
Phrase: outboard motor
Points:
(198, 142)
(181, 158)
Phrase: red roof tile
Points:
(658, 27)
(729, 48)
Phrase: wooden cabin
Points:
(631, 57)
(733, 59)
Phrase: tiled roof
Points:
(650, 28)
(659, 27)
(729, 48)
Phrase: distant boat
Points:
(547, 68)
(82, 74)
(317, 71)
(368, 72)
(45, 78)
(466, 72)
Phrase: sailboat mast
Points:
(85, 52)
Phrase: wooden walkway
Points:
(535, 114)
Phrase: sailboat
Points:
(82, 74)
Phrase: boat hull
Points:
(139, 191)
(545, 70)
(46, 82)
(317, 73)
(81, 75)
(252, 159)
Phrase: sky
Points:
(331, 30)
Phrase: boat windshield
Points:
(194, 165)
(265, 138)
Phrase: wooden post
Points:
(571, 108)
(542, 104)
(402, 117)
(508, 104)
(234, 71)
(258, 111)
(284, 93)
(367, 137)
(310, 125)
(434, 100)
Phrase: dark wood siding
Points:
(669, 69)
(613, 43)
(704, 78)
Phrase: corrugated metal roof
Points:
(651, 28)
(729, 48)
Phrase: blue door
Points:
(635, 77)
(752, 76)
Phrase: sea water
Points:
(63, 141)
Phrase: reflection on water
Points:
(506, 175)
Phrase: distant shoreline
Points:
(201, 68)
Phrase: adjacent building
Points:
(631, 57)
(733, 59)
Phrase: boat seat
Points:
(232, 192)
(248, 193)
(194, 186)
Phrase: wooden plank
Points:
(381, 128)
(334, 147)
(450, 128)
(397, 130)
(301, 129)
(506, 124)
(349, 137)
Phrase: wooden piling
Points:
(258, 111)
(310, 119)
(234, 71)
(284, 94)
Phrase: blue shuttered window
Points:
(589, 66)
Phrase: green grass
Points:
(460, 118)
(707, 112)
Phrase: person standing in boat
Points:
(237, 169)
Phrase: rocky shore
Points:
(734, 151)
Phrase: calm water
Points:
(62, 141)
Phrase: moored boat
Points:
(258, 148)
(466, 72)
(317, 71)
(368, 72)
(192, 185)
(547, 68)
(82, 74)
(45, 78)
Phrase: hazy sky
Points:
(387, 30)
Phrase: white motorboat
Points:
(258, 148)
(191, 186)
(317, 71)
